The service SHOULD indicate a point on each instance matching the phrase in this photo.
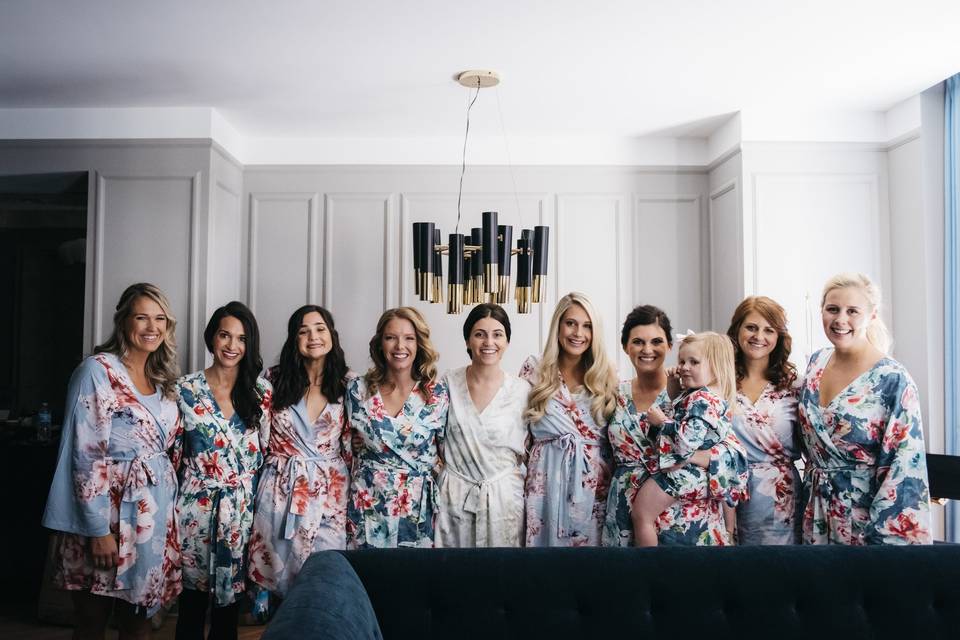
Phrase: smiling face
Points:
(229, 342)
(693, 369)
(846, 314)
(399, 344)
(147, 325)
(647, 347)
(575, 332)
(757, 338)
(487, 342)
(313, 339)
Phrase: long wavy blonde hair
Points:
(424, 363)
(717, 351)
(877, 333)
(162, 368)
(599, 377)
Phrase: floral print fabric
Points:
(696, 517)
(393, 492)
(115, 474)
(768, 431)
(302, 493)
(569, 470)
(867, 474)
(215, 507)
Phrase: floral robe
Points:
(215, 507)
(302, 493)
(568, 474)
(481, 485)
(867, 472)
(697, 517)
(701, 420)
(392, 492)
(768, 432)
(116, 474)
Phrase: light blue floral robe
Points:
(115, 474)
(302, 495)
(393, 485)
(867, 469)
(221, 458)
(568, 473)
(768, 431)
(696, 518)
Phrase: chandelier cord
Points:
(506, 145)
(463, 166)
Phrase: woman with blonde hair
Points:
(397, 412)
(766, 422)
(112, 497)
(573, 397)
(861, 429)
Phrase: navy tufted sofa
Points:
(670, 593)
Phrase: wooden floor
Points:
(12, 628)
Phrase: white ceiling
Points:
(380, 69)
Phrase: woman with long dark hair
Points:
(480, 503)
(112, 498)
(398, 411)
(766, 422)
(302, 495)
(225, 409)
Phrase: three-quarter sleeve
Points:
(900, 510)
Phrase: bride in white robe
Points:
(480, 500)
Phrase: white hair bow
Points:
(680, 337)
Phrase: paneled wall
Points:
(809, 212)
(341, 236)
(147, 220)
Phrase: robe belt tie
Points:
(145, 469)
(477, 499)
(293, 472)
(825, 494)
(428, 488)
(573, 467)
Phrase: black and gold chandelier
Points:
(479, 264)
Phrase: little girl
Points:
(701, 419)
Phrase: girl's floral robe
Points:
(694, 519)
(768, 432)
(116, 474)
(393, 487)
(302, 493)
(215, 508)
(568, 473)
(867, 470)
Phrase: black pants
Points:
(192, 615)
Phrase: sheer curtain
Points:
(951, 181)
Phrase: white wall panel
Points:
(668, 261)
(283, 266)
(144, 231)
(360, 267)
(592, 238)
(809, 227)
(726, 250)
(223, 262)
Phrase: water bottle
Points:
(43, 424)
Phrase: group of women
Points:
(230, 476)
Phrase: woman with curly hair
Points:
(302, 494)
(766, 422)
(112, 498)
(573, 397)
(397, 411)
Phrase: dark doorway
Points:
(43, 236)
